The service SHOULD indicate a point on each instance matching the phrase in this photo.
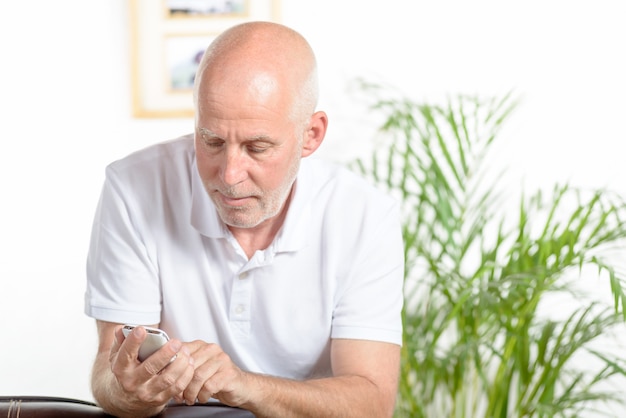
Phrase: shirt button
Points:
(240, 309)
(243, 275)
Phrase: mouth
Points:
(234, 201)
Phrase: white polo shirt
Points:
(160, 254)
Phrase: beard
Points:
(260, 206)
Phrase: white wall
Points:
(64, 100)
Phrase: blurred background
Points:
(66, 112)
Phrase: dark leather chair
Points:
(55, 407)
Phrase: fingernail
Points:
(176, 345)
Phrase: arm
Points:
(364, 383)
(123, 386)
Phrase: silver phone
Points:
(155, 339)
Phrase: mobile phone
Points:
(155, 339)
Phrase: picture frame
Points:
(168, 38)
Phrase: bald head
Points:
(262, 61)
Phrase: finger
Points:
(175, 377)
(158, 361)
(208, 360)
(207, 391)
(203, 352)
(197, 382)
(129, 348)
(214, 384)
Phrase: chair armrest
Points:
(54, 407)
(47, 406)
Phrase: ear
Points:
(315, 133)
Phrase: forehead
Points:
(263, 88)
(226, 113)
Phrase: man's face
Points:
(248, 156)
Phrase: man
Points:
(279, 278)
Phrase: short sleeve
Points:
(369, 306)
(122, 279)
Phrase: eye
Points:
(213, 143)
(257, 147)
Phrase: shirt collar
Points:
(204, 217)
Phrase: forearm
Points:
(111, 398)
(344, 396)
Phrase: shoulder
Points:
(158, 159)
(160, 171)
(334, 184)
(342, 203)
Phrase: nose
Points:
(234, 167)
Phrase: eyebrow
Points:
(205, 131)
(259, 137)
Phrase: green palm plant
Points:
(480, 338)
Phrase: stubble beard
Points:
(266, 205)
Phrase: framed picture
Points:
(168, 38)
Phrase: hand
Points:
(153, 382)
(215, 376)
